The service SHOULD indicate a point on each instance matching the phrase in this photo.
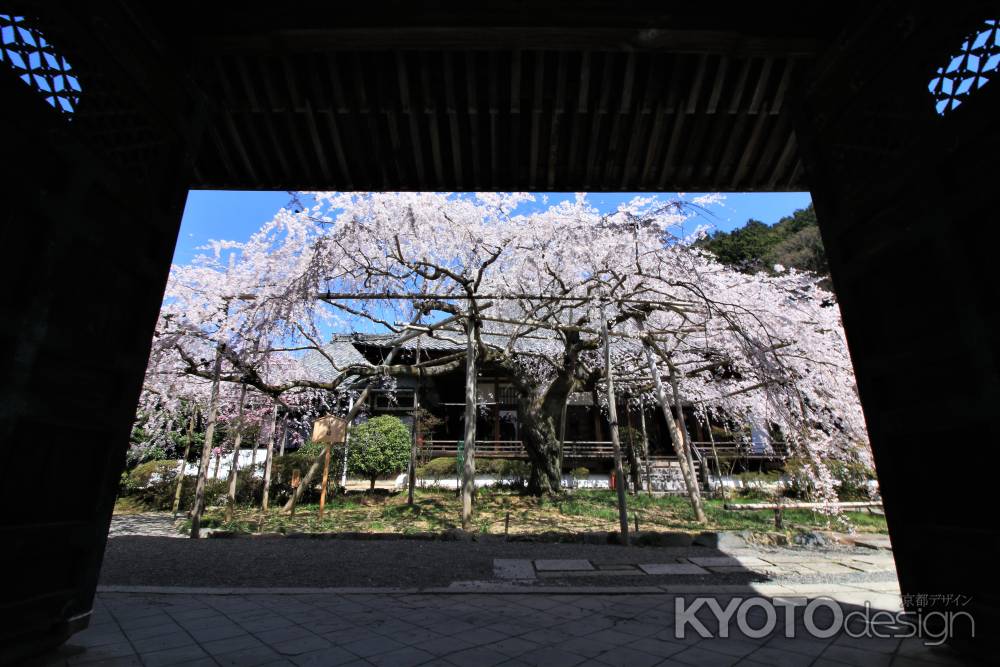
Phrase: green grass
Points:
(579, 511)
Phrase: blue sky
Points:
(234, 215)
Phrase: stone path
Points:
(146, 524)
(775, 565)
(512, 604)
(471, 629)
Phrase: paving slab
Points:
(392, 629)
(873, 541)
(513, 568)
(880, 586)
(672, 568)
(590, 573)
(562, 564)
(715, 561)
(828, 567)
(865, 566)
(735, 569)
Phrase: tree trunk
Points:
(268, 459)
(676, 437)
(631, 455)
(234, 469)
(541, 442)
(183, 464)
(206, 450)
(615, 443)
(372, 487)
(715, 455)
(469, 467)
(682, 425)
(218, 462)
(645, 449)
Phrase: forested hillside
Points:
(793, 241)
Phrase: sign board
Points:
(329, 430)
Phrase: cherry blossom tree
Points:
(529, 289)
(535, 287)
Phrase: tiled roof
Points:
(343, 349)
(342, 352)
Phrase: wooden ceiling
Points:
(503, 95)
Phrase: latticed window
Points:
(40, 65)
(969, 70)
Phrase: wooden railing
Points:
(588, 449)
(731, 449)
(514, 449)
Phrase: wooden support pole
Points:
(347, 441)
(631, 453)
(178, 489)
(235, 468)
(414, 435)
(469, 467)
(859, 504)
(676, 437)
(615, 443)
(268, 460)
(645, 448)
(715, 455)
(326, 478)
(562, 435)
(206, 450)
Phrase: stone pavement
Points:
(148, 524)
(776, 565)
(547, 628)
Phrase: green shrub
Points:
(378, 447)
(436, 468)
(159, 495)
(154, 483)
(144, 473)
(515, 473)
(852, 478)
(580, 473)
(759, 485)
(283, 469)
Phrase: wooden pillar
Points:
(102, 214)
(620, 480)
(469, 467)
(414, 439)
(905, 200)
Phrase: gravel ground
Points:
(280, 562)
